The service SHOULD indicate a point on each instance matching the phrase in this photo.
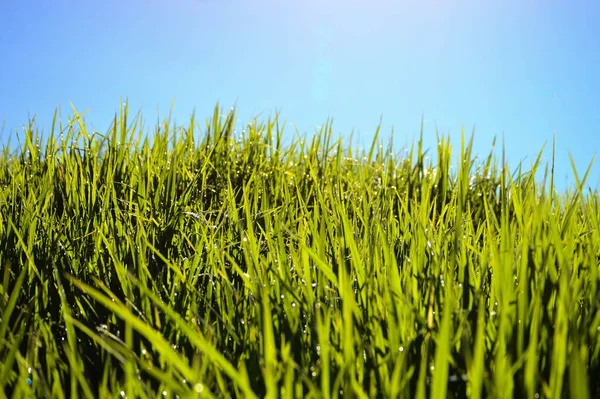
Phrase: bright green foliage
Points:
(199, 262)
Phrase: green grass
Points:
(197, 262)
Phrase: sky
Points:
(525, 70)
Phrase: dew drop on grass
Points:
(123, 394)
(401, 349)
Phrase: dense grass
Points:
(200, 263)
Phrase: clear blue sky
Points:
(527, 68)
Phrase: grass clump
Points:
(196, 263)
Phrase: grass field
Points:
(199, 262)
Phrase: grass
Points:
(201, 263)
